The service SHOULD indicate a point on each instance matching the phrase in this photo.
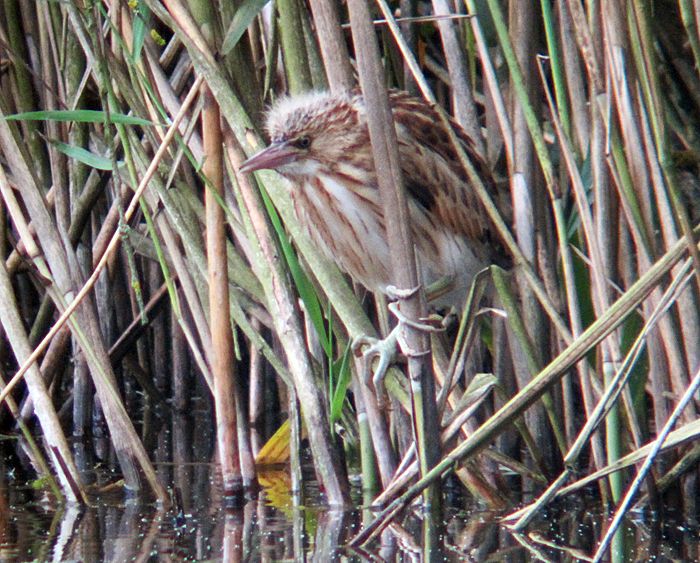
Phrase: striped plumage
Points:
(320, 143)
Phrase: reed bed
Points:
(129, 239)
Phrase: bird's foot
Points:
(395, 293)
(386, 349)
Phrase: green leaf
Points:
(140, 30)
(243, 17)
(81, 115)
(82, 155)
(343, 376)
(304, 286)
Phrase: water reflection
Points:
(269, 529)
(122, 531)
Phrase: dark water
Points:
(115, 529)
(272, 528)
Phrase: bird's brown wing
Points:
(434, 177)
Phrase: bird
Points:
(319, 142)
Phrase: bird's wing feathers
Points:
(433, 174)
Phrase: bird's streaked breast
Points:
(347, 226)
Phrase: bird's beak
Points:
(274, 156)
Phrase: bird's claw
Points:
(395, 293)
(386, 349)
(428, 324)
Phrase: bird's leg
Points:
(385, 349)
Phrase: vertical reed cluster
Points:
(128, 234)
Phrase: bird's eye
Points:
(303, 142)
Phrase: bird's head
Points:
(312, 132)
